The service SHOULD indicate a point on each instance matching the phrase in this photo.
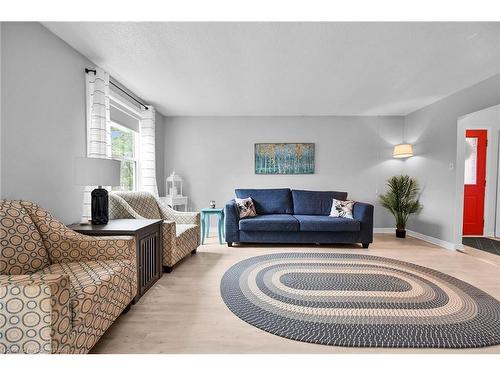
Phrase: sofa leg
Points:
(127, 308)
(229, 244)
(193, 252)
(167, 269)
(365, 245)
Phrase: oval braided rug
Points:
(359, 300)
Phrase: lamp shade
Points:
(97, 172)
(404, 150)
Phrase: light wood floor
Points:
(184, 313)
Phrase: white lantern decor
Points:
(174, 184)
(174, 192)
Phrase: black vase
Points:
(401, 233)
(99, 206)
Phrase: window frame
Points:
(135, 159)
(130, 109)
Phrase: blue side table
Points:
(205, 223)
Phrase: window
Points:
(124, 142)
(470, 161)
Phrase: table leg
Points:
(219, 228)
(207, 225)
(203, 228)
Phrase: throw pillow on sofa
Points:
(342, 209)
(246, 207)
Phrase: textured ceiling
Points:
(290, 69)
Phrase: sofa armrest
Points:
(40, 307)
(231, 222)
(363, 212)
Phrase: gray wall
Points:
(215, 155)
(1, 117)
(433, 131)
(43, 118)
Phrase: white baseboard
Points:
(423, 237)
(383, 230)
(432, 240)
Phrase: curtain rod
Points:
(119, 88)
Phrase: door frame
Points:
(492, 172)
(478, 189)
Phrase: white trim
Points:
(119, 102)
(383, 230)
(135, 159)
(432, 240)
(423, 237)
(489, 234)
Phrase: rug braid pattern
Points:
(359, 301)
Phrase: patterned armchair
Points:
(59, 290)
(180, 230)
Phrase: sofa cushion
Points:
(99, 290)
(268, 201)
(21, 248)
(270, 223)
(306, 202)
(313, 223)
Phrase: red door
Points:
(474, 181)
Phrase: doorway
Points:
(478, 180)
(476, 142)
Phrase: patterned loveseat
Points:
(59, 290)
(180, 230)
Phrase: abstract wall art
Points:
(284, 158)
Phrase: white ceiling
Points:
(293, 69)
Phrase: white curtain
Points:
(147, 176)
(98, 127)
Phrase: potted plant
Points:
(401, 200)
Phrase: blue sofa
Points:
(297, 216)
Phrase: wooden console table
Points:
(147, 235)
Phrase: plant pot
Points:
(401, 233)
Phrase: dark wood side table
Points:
(147, 235)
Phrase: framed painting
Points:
(284, 158)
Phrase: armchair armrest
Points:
(72, 246)
(363, 212)
(168, 236)
(231, 223)
(65, 245)
(120, 209)
(40, 307)
(179, 217)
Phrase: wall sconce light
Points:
(404, 150)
